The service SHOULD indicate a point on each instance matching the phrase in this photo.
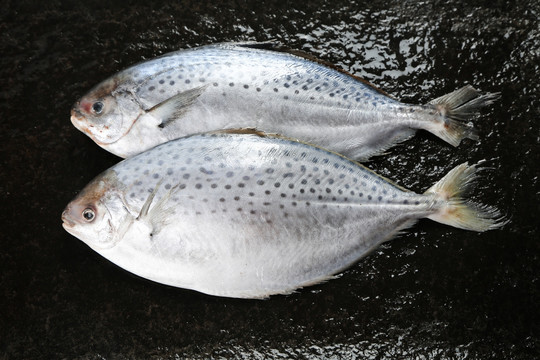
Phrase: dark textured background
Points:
(434, 293)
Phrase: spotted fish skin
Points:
(245, 215)
(234, 85)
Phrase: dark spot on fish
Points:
(302, 191)
(312, 190)
(379, 198)
(228, 187)
(213, 186)
(185, 176)
(275, 90)
(291, 186)
(293, 203)
(283, 195)
(260, 182)
(369, 197)
(237, 198)
(222, 199)
(267, 192)
(328, 190)
(251, 194)
(151, 88)
(205, 171)
(215, 84)
(198, 186)
(258, 89)
(405, 202)
(187, 81)
(155, 176)
(277, 184)
(241, 185)
(246, 86)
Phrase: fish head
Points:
(107, 112)
(98, 214)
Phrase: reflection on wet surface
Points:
(434, 293)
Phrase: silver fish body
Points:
(248, 215)
(228, 86)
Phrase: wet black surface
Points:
(434, 293)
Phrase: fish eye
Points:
(88, 214)
(97, 107)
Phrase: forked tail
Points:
(458, 211)
(456, 108)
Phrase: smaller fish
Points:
(244, 85)
(248, 215)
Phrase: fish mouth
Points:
(77, 118)
(81, 123)
(67, 222)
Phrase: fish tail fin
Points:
(454, 109)
(458, 211)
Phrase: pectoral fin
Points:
(158, 216)
(175, 107)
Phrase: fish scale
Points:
(230, 86)
(251, 215)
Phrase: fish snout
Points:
(76, 115)
(67, 220)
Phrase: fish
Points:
(252, 85)
(245, 214)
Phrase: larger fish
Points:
(248, 215)
(241, 85)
